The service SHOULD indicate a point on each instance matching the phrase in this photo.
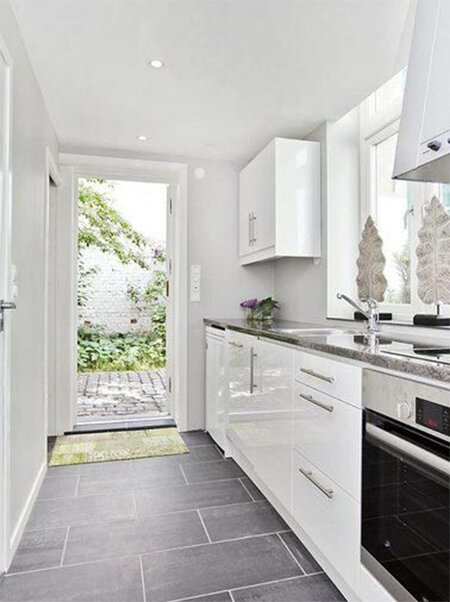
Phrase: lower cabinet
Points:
(215, 385)
(272, 418)
(330, 516)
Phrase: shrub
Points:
(98, 351)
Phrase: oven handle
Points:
(410, 449)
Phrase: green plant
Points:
(98, 351)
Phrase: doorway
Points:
(124, 259)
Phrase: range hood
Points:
(423, 149)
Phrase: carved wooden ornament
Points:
(370, 279)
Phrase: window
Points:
(395, 205)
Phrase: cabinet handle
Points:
(309, 475)
(316, 402)
(235, 344)
(250, 239)
(252, 370)
(328, 379)
(253, 228)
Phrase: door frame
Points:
(52, 173)
(5, 394)
(162, 172)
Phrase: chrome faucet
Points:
(371, 313)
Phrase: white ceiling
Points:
(236, 74)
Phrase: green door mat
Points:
(116, 445)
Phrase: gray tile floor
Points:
(182, 527)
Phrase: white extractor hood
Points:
(423, 150)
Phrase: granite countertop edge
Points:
(425, 369)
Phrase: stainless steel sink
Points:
(305, 332)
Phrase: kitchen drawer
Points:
(328, 433)
(329, 516)
(339, 379)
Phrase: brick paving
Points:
(104, 396)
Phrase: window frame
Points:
(375, 127)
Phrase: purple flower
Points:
(250, 303)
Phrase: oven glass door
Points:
(405, 507)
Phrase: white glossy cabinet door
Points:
(330, 516)
(240, 350)
(279, 202)
(272, 418)
(327, 432)
(215, 366)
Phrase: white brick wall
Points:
(109, 304)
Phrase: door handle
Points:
(7, 305)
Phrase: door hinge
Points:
(170, 267)
(169, 384)
(167, 288)
(170, 205)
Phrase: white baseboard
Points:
(25, 514)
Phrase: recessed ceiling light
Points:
(156, 64)
(142, 138)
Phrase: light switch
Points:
(196, 275)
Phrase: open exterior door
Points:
(170, 293)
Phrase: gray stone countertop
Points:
(351, 343)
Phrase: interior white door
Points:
(170, 307)
(5, 288)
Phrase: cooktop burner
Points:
(430, 353)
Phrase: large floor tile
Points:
(242, 520)
(146, 480)
(315, 588)
(216, 567)
(137, 536)
(252, 489)
(65, 512)
(63, 486)
(193, 438)
(108, 581)
(301, 554)
(39, 550)
(220, 597)
(212, 471)
(188, 497)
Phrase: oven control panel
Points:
(433, 416)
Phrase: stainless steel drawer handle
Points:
(235, 344)
(328, 379)
(309, 475)
(325, 406)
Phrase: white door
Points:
(170, 313)
(5, 286)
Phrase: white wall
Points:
(32, 133)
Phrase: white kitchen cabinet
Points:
(329, 516)
(423, 150)
(214, 385)
(327, 432)
(279, 202)
(240, 354)
(272, 419)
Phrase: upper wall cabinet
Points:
(423, 151)
(279, 202)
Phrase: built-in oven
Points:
(405, 486)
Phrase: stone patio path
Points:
(109, 396)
